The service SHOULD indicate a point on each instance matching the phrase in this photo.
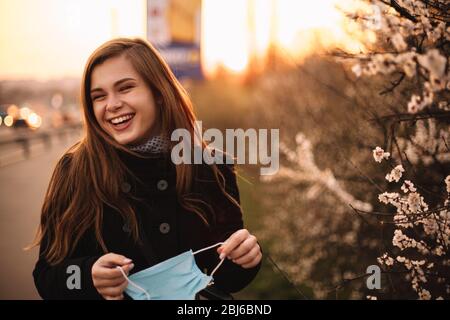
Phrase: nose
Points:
(113, 104)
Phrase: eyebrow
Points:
(115, 84)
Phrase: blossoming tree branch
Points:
(409, 202)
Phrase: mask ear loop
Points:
(207, 248)
(134, 284)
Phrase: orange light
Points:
(13, 111)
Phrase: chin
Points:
(128, 140)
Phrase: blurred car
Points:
(3, 114)
(21, 123)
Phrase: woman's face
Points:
(123, 104)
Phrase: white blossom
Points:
(357, 70)
(379, 154)
(414, 202)
(439, 251)
(385, 259)
(424, 294)
(400, 240)
(388, 197)
(447, 183)
(416, 104)
(434, 62)
(443, 105)
(408, 186)
(407, 61)
(398, 42)
(395, 174)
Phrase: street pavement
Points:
(22, 188)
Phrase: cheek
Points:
(148, 118)
(148, 110)
(98, 113)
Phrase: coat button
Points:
(162, 185)
(126, 228)
(164, 228)
(125, 187)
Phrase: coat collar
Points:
(149, 164)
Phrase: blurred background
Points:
(246, 64)
(220, 50)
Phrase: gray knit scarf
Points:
(156, 144)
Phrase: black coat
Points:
(166, 230)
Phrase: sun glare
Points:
(235, 31)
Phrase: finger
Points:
(247, 258)
(254, 262)
(112, 260)
(102, 283)
(124, 285)
(108, 274)
(113, 291)
(112, 273)
(121, 284)
(120, 297)
(244, 248)
(233, 241)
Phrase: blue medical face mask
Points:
(177, 278)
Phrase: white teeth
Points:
(121, 119)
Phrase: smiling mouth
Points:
(121, 120)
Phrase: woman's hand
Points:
(107, 278)
(243, 248)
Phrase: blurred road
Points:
(22, 188)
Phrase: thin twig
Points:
(402, 117)
(394, 84)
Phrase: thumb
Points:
(222, 246)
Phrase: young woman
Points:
(117, 200)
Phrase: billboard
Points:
(174, 28)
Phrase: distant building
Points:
(174, 28)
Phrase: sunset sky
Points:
(45, 39)
(53, 38)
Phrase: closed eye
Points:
(123, 89)
(126, 88)
(97, 97)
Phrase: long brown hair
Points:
(90, 173)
